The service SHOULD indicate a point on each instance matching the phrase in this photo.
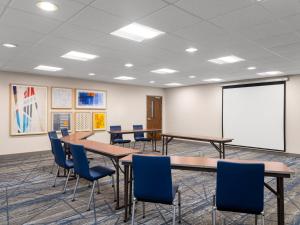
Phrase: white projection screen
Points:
(254, 115)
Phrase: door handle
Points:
(148, 118)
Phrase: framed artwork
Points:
(89, 99)
(28, 109)
(61, 120)
(99, 120)
(61, 98)
(83, 121)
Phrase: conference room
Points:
(150, 112)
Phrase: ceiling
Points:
(266, 34)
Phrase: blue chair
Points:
(52, 134)
(60, 160)
(139, 136)
(64, 132)
(93, 174)
(240, 188)
(117, 138)
(153, 183)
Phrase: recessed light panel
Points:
(81, 56)
(128, 65)
(92, 74)
(47, 6)
(152, 82)
(164, 71)
(173, 84)
(124, 78)
(9, 45)
(251, 68)
(192, 77)
(227, 59)
(191, 50)
(48, 68)
(270, 73)
(213, 80)
(137, 32)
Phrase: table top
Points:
(134, 131)
(273, 169)
(198, 138)
(98, 147)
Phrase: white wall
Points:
(198, 110)
(126, 105)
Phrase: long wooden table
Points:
(115, 153)
(272, 169)
(217, 142)
(152, 131)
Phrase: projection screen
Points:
(254, 115)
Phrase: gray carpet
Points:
(27, 195)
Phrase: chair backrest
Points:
(64, 132)
(81, 164)
(52, 134)
(58, 151)
(116, 136)
(138, 134)
(152, 179)
(240, 187)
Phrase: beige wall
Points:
(198, 110)
(126, 105)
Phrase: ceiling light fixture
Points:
(48, 68)
(173, 84)
(92, 74)
(213, 80)
(137, 32)
(9, 45)
(47, 6)
(81, 56)
(270, 73)
(226, 59)
(128, 65)
(124, 78)
(191, 50)
(251, 68)
(164, 71)
(192, 77)
(152, 82)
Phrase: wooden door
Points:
(154, 114)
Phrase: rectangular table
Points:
(152, 131)
(272, 169)
(115, 153)
(217, 142)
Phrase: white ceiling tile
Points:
(98, 20)
(3, 2)
(211, 8)
(129, 9)
(282, 9)
(66, 8)
(293, 21)
(276, 40)
(164, 19)
(244, 18)
(27, 21)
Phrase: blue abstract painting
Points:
(89, 99)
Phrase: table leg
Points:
(155, 142)
(118, 183)
(163, 145)
(223, 149)
(167, 142)
(280, 200)
(130, 188)
(126, 170)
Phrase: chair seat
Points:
(142, 139)
(161, 201)
(121, 141)
(69, 164)
(98, 172)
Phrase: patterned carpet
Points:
(27, 195)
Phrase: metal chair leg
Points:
(56, 176)
(134, 144)
(53, 165)
(262, 218)
(144, 146)
(65, 187)
(179, 206)
(98, 186)
(114, 187)
(133, 211)
(174, 214)
(144, 210)
(214, 215)
(255, 219)
(77, 180)
(91, 196)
